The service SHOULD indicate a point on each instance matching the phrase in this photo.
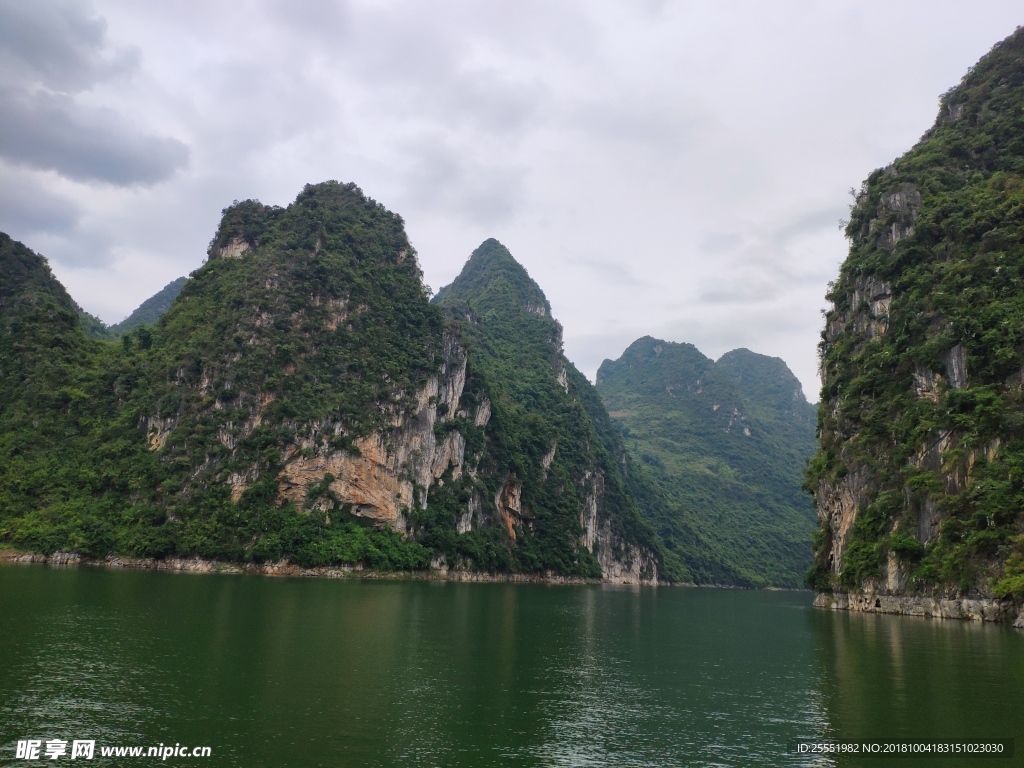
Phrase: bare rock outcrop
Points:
(624, 563)
(380, 478)
(973, 609)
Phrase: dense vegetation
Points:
(922, 391)
(244, 339)
(539, 404)
(722, 447)
(307, 329)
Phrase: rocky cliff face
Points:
(917, 478)
(301, 400)
(383, 471)
(555, 481)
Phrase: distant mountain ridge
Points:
(147, 313)
(152, 308)
(724, 444)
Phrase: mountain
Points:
(65, 466)
(549, 442)
(147, 313)
(723, 445)
(302, 400)
(918, 475)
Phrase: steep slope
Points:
(66, 460)
(724, 444)
(300, 400)
(149, 311)
(918, 476)
(560, 490)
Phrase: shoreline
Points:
(286, 569)
(290, 570)
(983, 609)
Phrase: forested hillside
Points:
(302, 400)
(918, 476)
(722, 447)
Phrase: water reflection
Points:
(903, 678)
(291, 672)
(683, 677)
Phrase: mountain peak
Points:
(655, 364)
(725, 442)
(490, 272)
(322, 216)
(764, 379)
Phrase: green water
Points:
(297, 672)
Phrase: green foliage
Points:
(930, 403)
(171, 442)
(862, 560)
(720, 449)
(905, 546)
(1011, 585)
(516, 361)
(324, 319)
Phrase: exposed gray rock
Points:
(973, 609)
(956, 366)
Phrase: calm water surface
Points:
(296, 672)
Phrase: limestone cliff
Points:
(301, 400)
(379, 476)
(918, 476)
(555, 478)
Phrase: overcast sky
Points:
(674, 169)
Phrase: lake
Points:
(304, 672)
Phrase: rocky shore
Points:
(198, 565)
(971, 609)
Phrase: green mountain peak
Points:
(493, 280)
(723, 444)
(767, 381)
(652, 365)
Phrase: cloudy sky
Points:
(674, 169)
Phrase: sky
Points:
(671, 169)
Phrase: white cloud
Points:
(667, 168)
